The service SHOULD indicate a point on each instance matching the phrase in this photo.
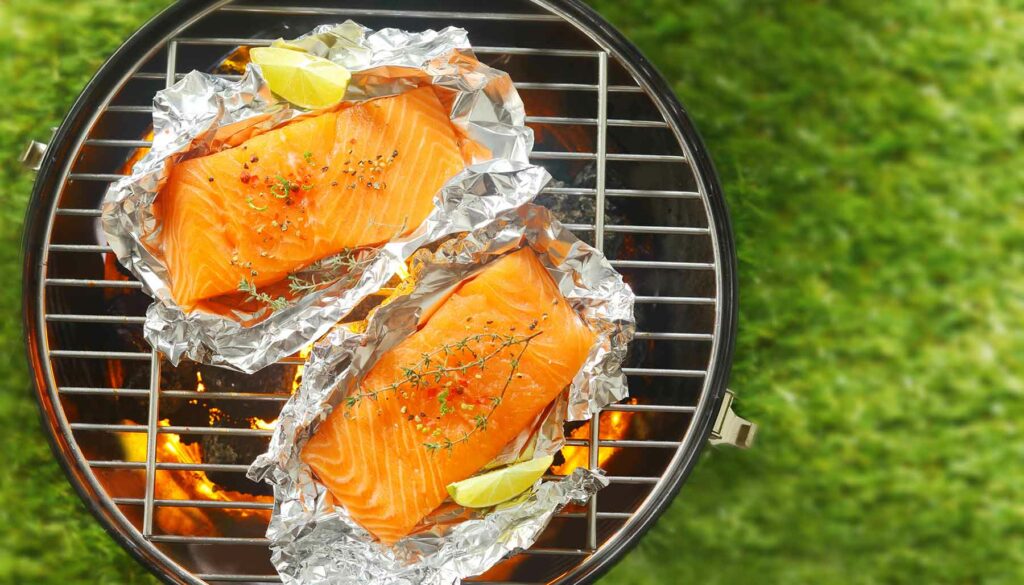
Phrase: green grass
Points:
(871, 154)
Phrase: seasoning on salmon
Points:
(439, 406)
(341, 180)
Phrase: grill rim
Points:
(44, 199)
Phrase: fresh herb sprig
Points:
(249, 287)
(433, 368)
(481, 421)
(328, 269)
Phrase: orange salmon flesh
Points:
(293, 195)
(371, 453)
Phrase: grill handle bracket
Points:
(32, 157)
(731, 429)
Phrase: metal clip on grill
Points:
(632, 177)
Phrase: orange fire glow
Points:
(613, 425)
(256, 422)
(187, 485)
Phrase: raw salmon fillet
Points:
(286, 198)
(371, 454)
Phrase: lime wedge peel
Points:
(494, 487)
(305, 80)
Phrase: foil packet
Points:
(314, 541)
(203, 114)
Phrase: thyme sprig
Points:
(433, 368)
(328, 269)
(249, 287)
(481, 421)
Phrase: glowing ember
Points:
(200, 387)
(215, 415)
(613, 426)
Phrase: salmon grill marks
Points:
(374, 453)
(284, 199)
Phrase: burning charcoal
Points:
(277, 378)
(233, 451)
(130, 304)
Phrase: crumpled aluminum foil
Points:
(201, 113)
(314, 541)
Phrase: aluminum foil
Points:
(314, 541)
(202, 114)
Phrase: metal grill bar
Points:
(676, 300)
(117, 319)
(68, 211)
(376, 12)
(638, 193)
(556, 120)
(481, 50)
(151, 439)
(221, 467)
(104, 355)
(528, 85)
(239, 578)
(79, 248)
(92, 283)
(613, 156)
(117, 142)
(176, 394)
(125, 355)
(209, 504)
(226, 468)
(599, 229)
(551, 120)
(236, 432)
(664, 264)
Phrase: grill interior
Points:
(623, 182)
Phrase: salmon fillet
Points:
(286, 198)
(372, 454)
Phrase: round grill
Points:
(159, 453)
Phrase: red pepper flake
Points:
(353, 141)
(245, 177)
(245, 166)
(254, 159)
(210, 179)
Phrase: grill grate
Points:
(652, 213)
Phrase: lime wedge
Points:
(283, 44)
(495, 487)
(305, 80)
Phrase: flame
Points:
(403, 271)
(187, 485)
(613, 425)
(200, 387)
(297, 380)
(256, 422)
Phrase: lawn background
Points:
(871, 156)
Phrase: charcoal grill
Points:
(631, 176)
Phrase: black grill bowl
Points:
(631, 175)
